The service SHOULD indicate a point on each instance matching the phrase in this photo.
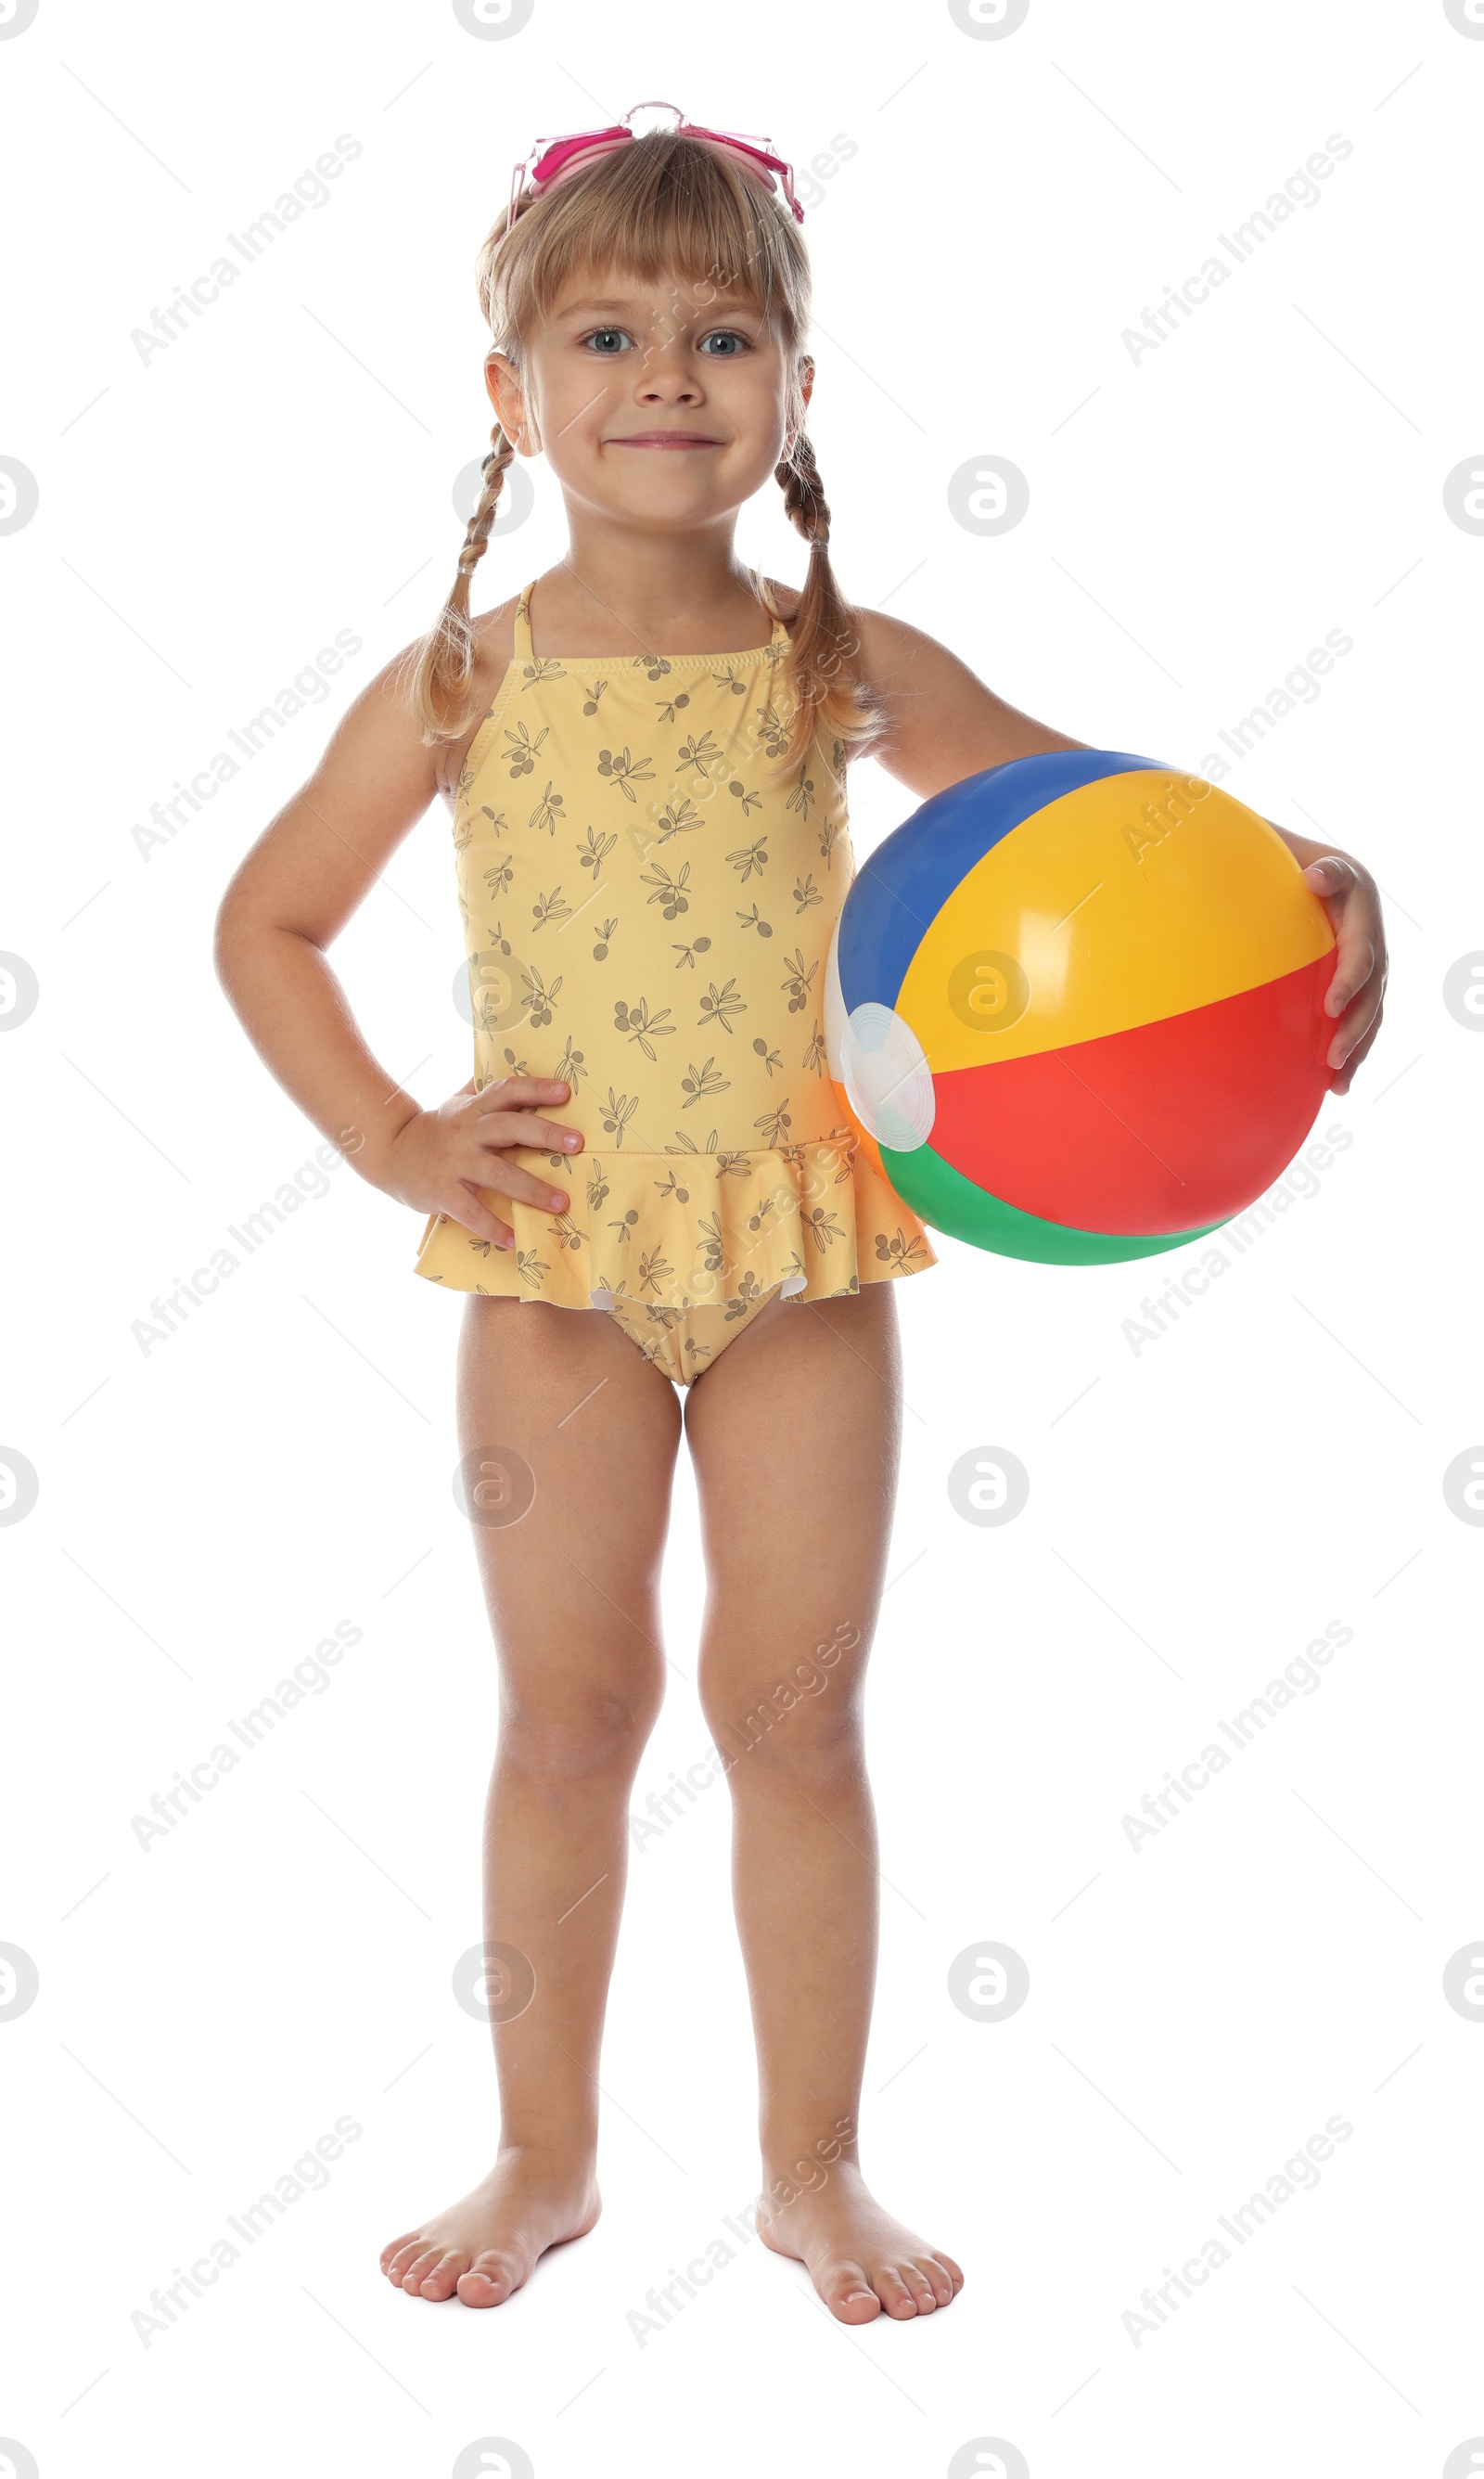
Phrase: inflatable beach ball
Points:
(1074, 1008)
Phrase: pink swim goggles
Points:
(553, 159)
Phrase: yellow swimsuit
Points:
(648, 893)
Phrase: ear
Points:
(503, 386)
(804, 380)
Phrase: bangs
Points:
(664, 206)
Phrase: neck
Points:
(650, 583)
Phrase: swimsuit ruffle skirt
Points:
(648, 893)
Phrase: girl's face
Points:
(664, 403)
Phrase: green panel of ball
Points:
(949, 1202)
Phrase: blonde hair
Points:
(663, 201)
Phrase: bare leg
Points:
(795, 1434)
(573, 1594)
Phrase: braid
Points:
(476, 539)
(831, 691)
(803, 493)
(445, 659)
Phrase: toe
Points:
(892, 2290)
(439, 2282)
(924, 2297)
(943, 2277)
(421, 2264)
(848, 2294)
(407, 2253)
(489, 2281)
(399, 2246)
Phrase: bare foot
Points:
(859, 2258)
(486, 2245)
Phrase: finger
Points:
(1359, 1019)
(1356, 963)
(464, 1207)
(1355, 970)
(513, 1092)
(496, 1171)
(524, 1128)
(1333, 879)
(1355, 917)
(1345, 1070)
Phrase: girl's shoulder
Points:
(898, 660)
(941, 721)
(890, 649)
(494, 640)
(787, 597)
(495, 652)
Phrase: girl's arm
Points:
(943, 724)
(288, 902)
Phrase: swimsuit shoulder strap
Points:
(780, 635)
(523, 648)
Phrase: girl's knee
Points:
(567, 1737)
(805, 1718)
(816, 1750)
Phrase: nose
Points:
(666, 377)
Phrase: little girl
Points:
(646, 1192)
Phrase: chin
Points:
(666, 506)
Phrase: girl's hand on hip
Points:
(441, 1156)
(1349, 897)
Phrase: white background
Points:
(1199, 1511)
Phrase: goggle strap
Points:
(552, 160)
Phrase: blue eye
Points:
(599, 332)
(721, 335)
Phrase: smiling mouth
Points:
(663, 439)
